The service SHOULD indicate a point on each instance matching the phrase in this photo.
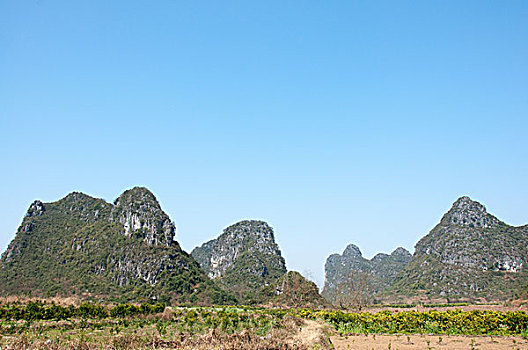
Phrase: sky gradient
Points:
(337, 123)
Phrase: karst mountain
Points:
(470, 255)
(84, 246)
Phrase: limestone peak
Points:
(467, 212)
(352, 251)
(137, 195)
(400, 251)
(140, 213)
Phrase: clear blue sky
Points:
(337, 122)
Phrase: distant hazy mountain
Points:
(350, 272)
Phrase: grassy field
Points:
(73, 325)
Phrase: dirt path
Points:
(429, 342)
(311, 332)
(313, 335)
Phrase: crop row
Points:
(434, 322)
(41, 311)
(189, 321)
(410, 306)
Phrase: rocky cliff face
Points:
(84, 245)
(470, 254)
(351, 273)
(245, 258)
(466, 212)
(255, 237)
(140, 214)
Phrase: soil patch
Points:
(430, 342)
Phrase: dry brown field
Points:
(428, 342)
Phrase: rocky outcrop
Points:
(470, 255)
(250, 236)
(466, 212)
(245, 258)
(35, 209)
(351, 271)
(140, 214)
(84, 245)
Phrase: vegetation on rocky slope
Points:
(469, 255)
(244, 259)
(87, 247)
(352, 280)
(125, 251)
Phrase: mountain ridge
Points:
(472, 255)
(350, 274)
(468, 255)
(84, 245)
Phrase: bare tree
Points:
(297, 291)
(354, 291)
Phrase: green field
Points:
(43, 325)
